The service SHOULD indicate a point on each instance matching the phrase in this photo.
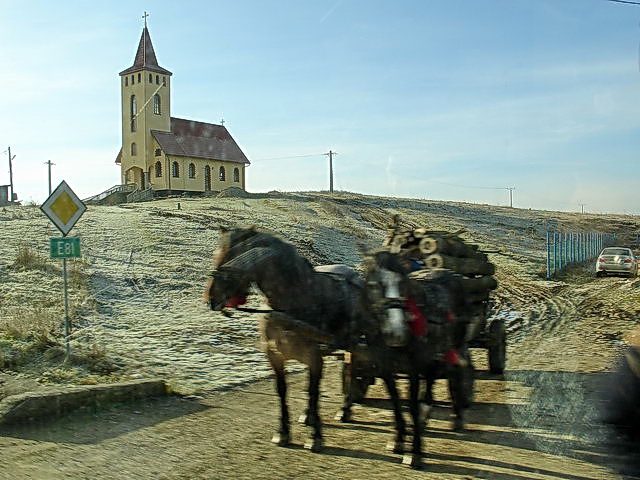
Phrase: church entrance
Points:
(207, 178)
(136, 175)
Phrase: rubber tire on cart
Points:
(497, 344)
(359, 384)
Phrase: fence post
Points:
(548, 256)
(561, 251)
(555, 257)
(559, 254)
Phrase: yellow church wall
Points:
(197, 184)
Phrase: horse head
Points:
(386, 292)
(230, 280)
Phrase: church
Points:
(164, 154)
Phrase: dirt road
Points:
(538, 421)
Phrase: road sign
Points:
(67, 247)
(63, 207)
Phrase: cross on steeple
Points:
(145, 18)
(222, 122)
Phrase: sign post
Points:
(64, 208)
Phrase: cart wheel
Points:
(497, 346)
(358, 386)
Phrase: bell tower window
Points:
(134, 149)
(156, 104)
(133, 110)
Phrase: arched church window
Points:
(139, 78)
(157, 79)
(158, 169)
(134, 149)
(126, 81)
(192, 170)
(221, 174)
(133, 80)
(150, 78)
(156, 104)
(175, 170)
(236, 175)
(164, 81)
(133, 111)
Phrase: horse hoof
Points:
(313, 444)
(395, 446)
(425, 413)
(343, 416)
(281, 439)
(412, 460)
(303, 419)
(458, 425)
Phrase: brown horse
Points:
(314, 312)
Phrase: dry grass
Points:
(25, 332)
(29, 259)
(23, 323)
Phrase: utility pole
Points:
(582, 207)
(48, 162)
(10, 174)
(330, 155)
(511, 189)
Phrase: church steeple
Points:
(145, 58)
(146, 106)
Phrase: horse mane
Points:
(243, 240)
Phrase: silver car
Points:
(616, 260)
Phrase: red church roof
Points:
(189, 138)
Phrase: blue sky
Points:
(419, 98)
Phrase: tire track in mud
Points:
(531, 310)
(555, 353)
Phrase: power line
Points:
(470, 186)
(625, 1)
(290, 156)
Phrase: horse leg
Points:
(426, 406)
(283, 436)
(457, 390)
(314, 442)
(414, 459)
(397, 445)
(344, 415)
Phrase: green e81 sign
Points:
(65, 247)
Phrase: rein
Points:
(256, 310)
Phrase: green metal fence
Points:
(565, 249)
